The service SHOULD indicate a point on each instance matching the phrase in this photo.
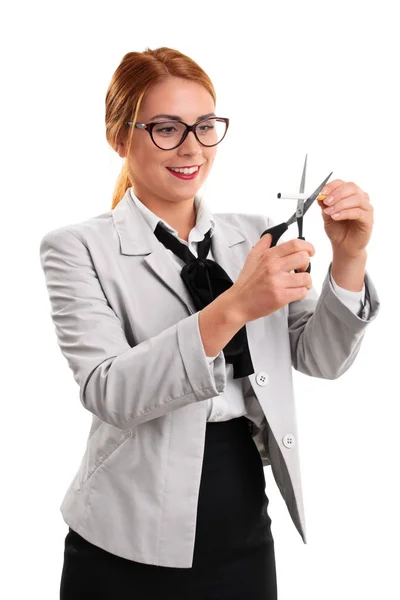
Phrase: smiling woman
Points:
(185, 364)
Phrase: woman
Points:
(181, 327)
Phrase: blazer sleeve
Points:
(325, 334)
(122, 385)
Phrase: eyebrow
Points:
(177, 118)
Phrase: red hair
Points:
(135, 74)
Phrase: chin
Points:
(186, 189)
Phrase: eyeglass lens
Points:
(169, 133)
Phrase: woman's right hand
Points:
(265, 283)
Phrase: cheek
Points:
(146, 161)
(210, 156)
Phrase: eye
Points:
(205, 127)
(168, 129)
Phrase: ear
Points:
(121, 148)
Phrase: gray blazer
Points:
(129, 330)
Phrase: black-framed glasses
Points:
(168, 135)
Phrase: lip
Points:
(182, 175)
(184, 167)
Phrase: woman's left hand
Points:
(349, 217)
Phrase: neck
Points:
(179, 215)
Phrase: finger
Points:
(298, 260)
(298, 280)
(295, 294)
(293, 246)
(303, 268)
(332, 186)
(342, 191)
(354, 201)
(352, 214)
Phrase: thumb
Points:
(264, 242)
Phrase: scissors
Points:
(302, 207)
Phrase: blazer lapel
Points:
(136, 238)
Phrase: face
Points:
(153, 182)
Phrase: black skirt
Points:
(234, 555)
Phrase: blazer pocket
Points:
(99, 447)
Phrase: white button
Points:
(289, 440)
(262, 378)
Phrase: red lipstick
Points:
(182, 175)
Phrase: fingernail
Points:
(325, 190)
(328, 200)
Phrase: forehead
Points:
(176, 96)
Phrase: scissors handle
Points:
(276, 233)
(308, 270)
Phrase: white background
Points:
(293, 77)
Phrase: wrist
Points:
(347, 271)
(233, 311)
(341, 255)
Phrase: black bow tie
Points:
(205, 279)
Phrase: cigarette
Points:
(292, 196)
(321, 197)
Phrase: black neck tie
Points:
(205, 279)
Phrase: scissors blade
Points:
(300, 203)
(309, 201)
(303, 177)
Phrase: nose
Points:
(190, 145)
